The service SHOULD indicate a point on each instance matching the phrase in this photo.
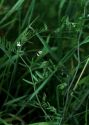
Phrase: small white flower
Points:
(18, 44)
(39, 53)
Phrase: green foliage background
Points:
(44, 56)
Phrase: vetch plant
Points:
(44, 57)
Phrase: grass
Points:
(44, 61)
